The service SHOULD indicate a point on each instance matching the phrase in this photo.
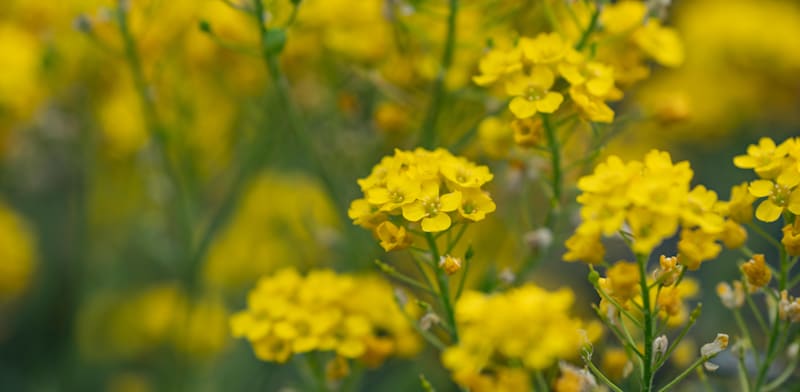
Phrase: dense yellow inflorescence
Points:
(355, 317)
(431, 190)
(778, 167)
(648, 201)
(527, 325)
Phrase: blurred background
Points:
(150, 171)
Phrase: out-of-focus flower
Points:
(528, 324)
(18, 252)
(356, 317)
(572, 379)
(709, 350)
(731, 297)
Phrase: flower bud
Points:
(709, 350)
(732, 298)
(757, 272)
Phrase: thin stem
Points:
(451, 245)
(157, 132)
(431, 338)
(597, 373)
(743, 377)
(392, 273)
(555, 162)
(463, 278)
(647, 371)
(588, 32)
(680, 337)
(428, 135)
(685, 373)
(444, 289)
(755, 227)
(773, 339)
(745, 331)
(756, 312)
(783, 376)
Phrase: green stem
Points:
(597, 373)
(431, 338)
(588, 32)
(156, 131)
(745, 331)
(788, 372)
(755, 227)
(555, 163)
(392, 273)
(444, 289)
(771, 346)
(680, 337)
(744, 380)
(685, 373)
(428, 135)
(647, 370)
(761, 323)
(451, 245)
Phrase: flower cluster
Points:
(778, 167)
(355, 317)
(526, 325)
(432, 188)
(531, 68)
(647, 201)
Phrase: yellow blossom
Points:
(532, 93)
(766, 158)
(660, 43)
(528, 132)
(623, 16)
(740, 206)
(496, 64)
(733, 235)
(757, 272)
(475, 204)
(18, 253)
(526, 324)
(791, 238)
(355, 317)
(623, 280)
(392, 237)
(696, 246)
(545, 48)
(432, 208)
(779, 198)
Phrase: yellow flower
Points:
(465, 174)
(574, 379)
(623, 280)
(593, 108)
(778, 199)
(696, 246)
(546, 48)
(791, 238)
(355, 317)
(740, 207)
(766, 158)
(585, 247)
(733, 235)
(431, 208)
(399, 191)
(528, 132)
(392, 237)
(532, 93)
(757, 272)
(660, 43)
(496, 64)
(365, 214)
(475, 204)
(527, 325)
(623, 16)
(597, 77)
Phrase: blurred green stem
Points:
(428, 133)
(555, 163)
(597, 373)
(647, 315)
(157, 132)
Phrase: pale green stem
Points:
(428, 136)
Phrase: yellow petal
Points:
(484, 80)
(438, 222)
(761, 188)
(744, 162)
(768, 211)
(550, 102)
(414, 211)
(522, 108)
(794, 202)
(542, 77)
(450, 201)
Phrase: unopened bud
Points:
(709, 350)
(539, 239)
(660, 345)
(429, 320)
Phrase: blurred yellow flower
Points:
(532, 93)
(18, 252)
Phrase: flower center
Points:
(534, 93)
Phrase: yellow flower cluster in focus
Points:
(778, 166)
(355, 317)
(648, 201)
(432, 188)
(527, 325)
